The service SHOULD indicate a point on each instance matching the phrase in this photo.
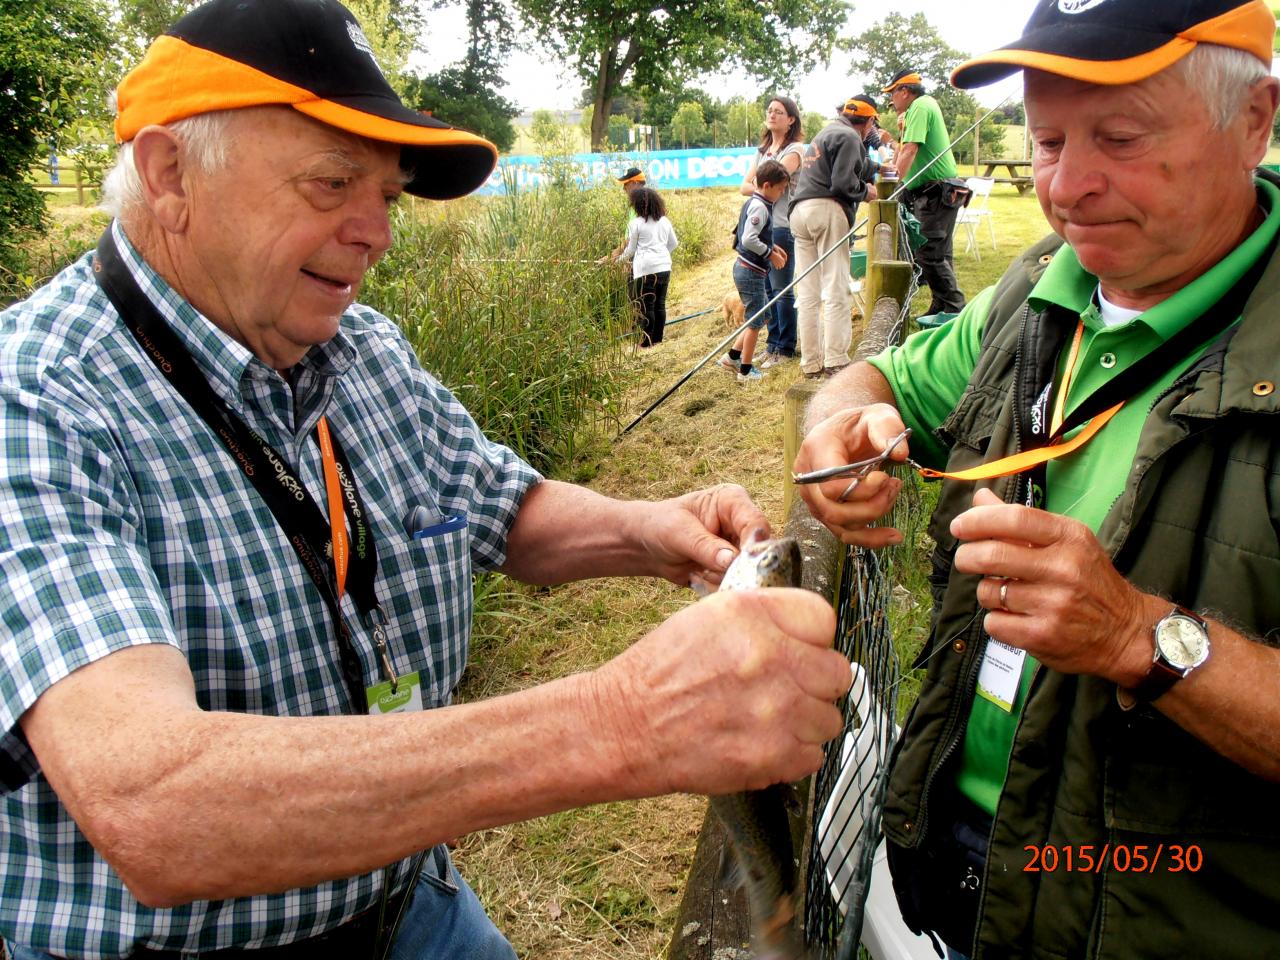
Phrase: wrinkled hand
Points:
(732, 693)
(845, 437)
(694, 538)
(1064, 601)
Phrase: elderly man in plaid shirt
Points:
(238, 524)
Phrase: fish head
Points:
(764, 563)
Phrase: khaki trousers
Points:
(823, 300)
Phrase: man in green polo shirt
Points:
(1091, 767)
(924, 162)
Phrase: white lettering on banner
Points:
(673, 169)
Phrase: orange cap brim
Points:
(177, 80)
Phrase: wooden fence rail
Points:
(85, 179)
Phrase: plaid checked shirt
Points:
(123, 521)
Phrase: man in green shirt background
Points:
(1092, 765)
(924, 162)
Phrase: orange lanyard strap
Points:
(337, 518)
(1060, 401)
(1021, 462)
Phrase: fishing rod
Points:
(763, 310)
(672, 323)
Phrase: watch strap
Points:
(1162, 675)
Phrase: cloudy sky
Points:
(536, 81)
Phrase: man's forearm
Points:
(859, 385)
(565, 532)
(906, 157)
(188, 804)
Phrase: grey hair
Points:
(1222, 75)
(205, 143)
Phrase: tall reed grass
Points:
(503, 301)
(504, 304)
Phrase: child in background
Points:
(753, 242)
(650, 240)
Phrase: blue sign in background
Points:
(664, 169)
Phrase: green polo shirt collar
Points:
(1067, 284)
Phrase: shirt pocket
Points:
(430, 605)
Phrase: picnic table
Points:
(1019, 173)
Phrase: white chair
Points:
(976, 212)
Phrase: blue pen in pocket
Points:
(420, 524)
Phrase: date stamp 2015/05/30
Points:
(1121, 857)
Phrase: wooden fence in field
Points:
(82, 178)
(713, 921)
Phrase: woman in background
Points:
(783, 141)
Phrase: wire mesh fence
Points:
(877, 592)
(873, 607)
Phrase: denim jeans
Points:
(443, 921)
(751, 291)
(782, 323)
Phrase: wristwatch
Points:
(1182, 644)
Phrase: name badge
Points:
(406, 697)
(1000, 673)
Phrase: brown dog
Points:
(735, 314)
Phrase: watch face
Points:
(1183, 642)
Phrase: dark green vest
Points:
(1198, 524)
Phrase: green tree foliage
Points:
(1011, 113)
(688, 123)
(813, 122)
(458, 99)
(745, 120)
(659, 46)
(466, 94)
(45, 46)
(898, 42)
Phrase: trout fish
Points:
(757, 820)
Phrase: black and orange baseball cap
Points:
(633, 175)
(859, 107)
(902, 77)
(307, 54)
(1122, 41)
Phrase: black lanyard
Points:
(301, 519)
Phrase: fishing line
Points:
(523, 260)
(763, 310)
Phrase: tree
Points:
(745, 121)
(46, 49)
(688, 123)
(661, 44)
(899, 42)
(454, 96)
(813, 122)
(466, 95)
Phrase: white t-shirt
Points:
(649, 246)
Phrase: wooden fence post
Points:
(713, 922)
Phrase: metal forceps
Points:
(858, 470)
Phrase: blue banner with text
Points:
(664, 169)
